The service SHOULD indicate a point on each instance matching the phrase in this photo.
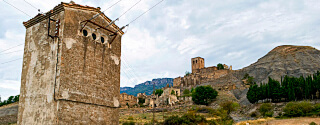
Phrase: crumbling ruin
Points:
(71, 68)
(128, 100)
(200, 74)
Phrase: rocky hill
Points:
(284, 60)
(147, 86)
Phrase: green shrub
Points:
(230, 106)
(186, 92)
(188, 119)
(316, 110)
(130, 118)
(313, 123)
(268, 114)
(297, 109)
(129, 123)
(264, 108)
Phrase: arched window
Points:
(102, 40)
(94, 36)
(85, 32)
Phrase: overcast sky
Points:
(162, 42)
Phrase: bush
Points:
(230, 106)
(268, 114)
(186, 92)
(204, 95)
(188, 119)
(297, 109)
(313, 123)
(316, 110)
(130, 118)
(266, 108)
(129, 123)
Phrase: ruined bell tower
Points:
(197, 63)
(71, 68)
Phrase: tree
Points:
(10, 99)
(158, 92)
(172, 92)
(16, 98)
(192, 90)
(188, 73)
(220, 66)
(252, 94)
(204, 95)
(250, 80)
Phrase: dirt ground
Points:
(291, 121)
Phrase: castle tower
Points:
(71, 68)
(197, 63)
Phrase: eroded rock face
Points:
(284, 60)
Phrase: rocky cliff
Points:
(147, 86)
(284, 60)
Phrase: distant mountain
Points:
(147, 86)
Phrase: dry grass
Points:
(272, 121)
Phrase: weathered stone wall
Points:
(36, 103)
(203, 76)
(74, 79)
(177, 81)
(197, 63)
(130, 99)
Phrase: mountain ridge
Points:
(147, 86)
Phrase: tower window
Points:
(85, 32)
(196, 61)
(94, 36)
(102, 40)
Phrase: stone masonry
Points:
(130, 99)
(74, 76)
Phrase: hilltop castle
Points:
(200, 74)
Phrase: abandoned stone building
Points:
(200, 74)
(128, 100)
(71, 68)
(168, 97)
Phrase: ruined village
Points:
(71, 74)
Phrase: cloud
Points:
(162, 42)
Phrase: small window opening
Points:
(94, 36)
(85, 32)
(102, 40)
(196, 61)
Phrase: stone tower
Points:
(71, 68)
(197, 63)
